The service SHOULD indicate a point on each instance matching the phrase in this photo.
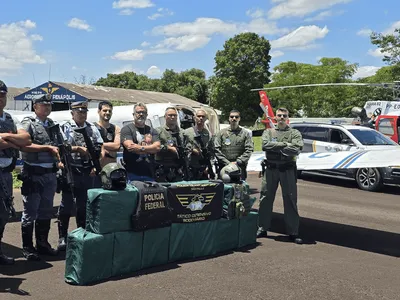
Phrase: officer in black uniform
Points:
(82, 168)
(12, 137)
(38, 174)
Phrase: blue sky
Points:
(96, 37)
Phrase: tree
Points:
(389, 45)
(243, 64)
(126, 80)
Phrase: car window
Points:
(316, 133)
(299, 128)
(338, 136)
(385, 126)
(371, 137)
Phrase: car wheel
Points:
(369, 179)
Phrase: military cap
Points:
(79, 106)
(3, 87)
(45, 99)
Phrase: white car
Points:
(333, 138)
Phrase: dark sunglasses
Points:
(143, 112)
(234, 117)
(281, 116)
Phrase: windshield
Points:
(371, 137)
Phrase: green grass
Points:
(257, 143)
(16, 183)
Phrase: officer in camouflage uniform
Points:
(82, 169)
(38, 174)
(198, 163)
(172, 167)
(233, 144)
(281, 146)
(12, 137)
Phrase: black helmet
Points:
(231, 173)
(113, 177)
(3, 87)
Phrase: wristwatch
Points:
(142, 149)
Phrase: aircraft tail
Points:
(265, 105)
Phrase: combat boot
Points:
(4, 260)
(28, 251)
(63, 223)
(42, 228)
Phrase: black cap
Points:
(3, 87)
(45, 99)
(79, 106)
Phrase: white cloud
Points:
(324, 15)
(74, 68)
(134, 54)
(16, 47)
(377, 52)
(392, 27)
(126, 12)
(300, 8)
(184, 43)
(301, 38)
(36, 37)
(132, 4)
(161, 12)
(364, 32)
(255, 13)
(365, 71)
(153, 71)
(145, 44)
(276, 53)
(79, 24)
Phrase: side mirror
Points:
(347, 142)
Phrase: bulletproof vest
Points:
(79, 140)
(233, 143)
(152, 210)
(108, 134)
(40, 136)
(274, 156)
(237, 203)
(197, 160)
(167, 157)
(8, 125)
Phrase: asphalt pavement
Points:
(351, 251)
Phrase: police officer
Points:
(234, 144)
(140, 143)
(281, 146)
(198, 164)
(82, 169)
(12, 137)
(172, 158)
(39, 180)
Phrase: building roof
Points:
(12, 91)
(100, 93)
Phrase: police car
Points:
(339, 137)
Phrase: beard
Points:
(234, 125)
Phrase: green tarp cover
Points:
(110, 211)
(248, 229)
(127, 252)
(227, 235)
(181, 243)
(155, 247)
(204, 243)
(89, 256)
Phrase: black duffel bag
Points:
(153, 210)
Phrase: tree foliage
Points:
(243, 64)
(389, 45)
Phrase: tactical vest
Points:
(108, 134)
(40, 136)
(79, 140)
(164, 156)
(233, 143)
(153, 210)
(274, 156)
(8, 125)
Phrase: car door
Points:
(316, 139)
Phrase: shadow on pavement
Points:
(11, 285)
(371, 240)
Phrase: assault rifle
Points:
(65, 155)
(181, 155)
(93, 152)
(7, 200)
(206, 156)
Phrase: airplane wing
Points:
(337, 160)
